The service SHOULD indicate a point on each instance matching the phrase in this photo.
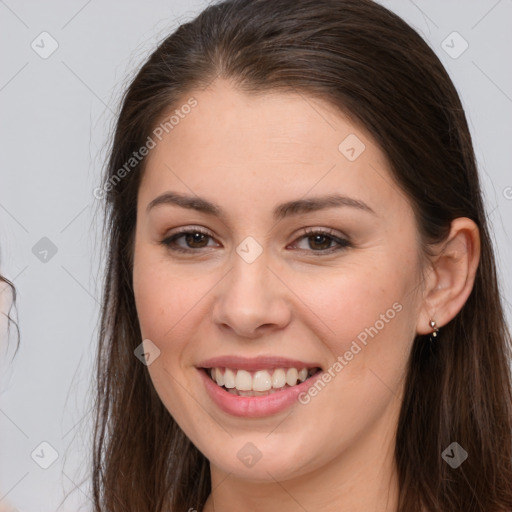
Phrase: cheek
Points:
(153, 300)
(363, 314)
(163, 295)
(166, 318)
(171, 303)
(166, 303)
(364, 317)
(350, 300)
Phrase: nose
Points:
(252, 299)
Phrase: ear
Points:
(452, 275)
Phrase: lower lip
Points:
(255, 406)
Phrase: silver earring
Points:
(435, 331)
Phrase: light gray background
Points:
(56, 115)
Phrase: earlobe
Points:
(453, 274)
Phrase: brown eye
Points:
(193, 238)
(319, 241)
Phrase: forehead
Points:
(266, 147)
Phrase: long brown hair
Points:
(368, 63)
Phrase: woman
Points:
(301, 307)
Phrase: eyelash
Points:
(343, 243)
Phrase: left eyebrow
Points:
(319, 203)
(281, 211)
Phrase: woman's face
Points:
(279, 278)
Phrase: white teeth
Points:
(243, 381)
(229, 378)
(279, 378)
(291, 376)
(261, 381)
(218, 377)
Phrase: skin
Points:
(248, 154)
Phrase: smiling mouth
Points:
(260, 382)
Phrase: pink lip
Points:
(255, 406)
(255, 363)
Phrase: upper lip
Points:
(255, 363)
